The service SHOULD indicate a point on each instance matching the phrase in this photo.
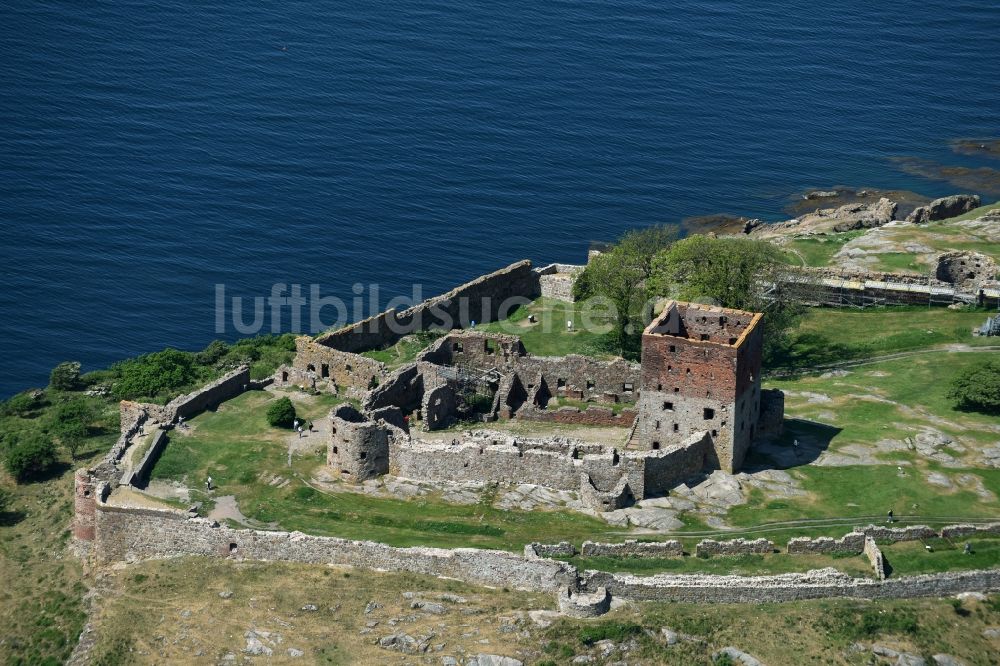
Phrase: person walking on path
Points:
(890, 519)
(208, 483)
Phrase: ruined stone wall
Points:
(618, 496)
(853, 542)
(485, 299)
(711, 548)
(818, 584)
(403, 388)
(440, 406)
(557, 280)
(353, 372)
(633, 548)
(136, 534)
(875, 558)
(593, 416)
(140, 473)
(84, 506)
(561, 549)
(473, 461)
(960, 531)
(895, 534)
(133, 416)
(666, 468)
(228, 386)
(131, 535)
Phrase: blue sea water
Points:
(149, 151)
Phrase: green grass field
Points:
(549, 335)
(829, 335)
(817, 251)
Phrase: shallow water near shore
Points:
(152, 152)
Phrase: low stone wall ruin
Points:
(875, 558)
(557, 280)
(132, 534)
(818, 584)
(852, 542)
(896, 534)
(711, 547)
(129, 535)
(140, 473)
(561, 549)
(633, 548)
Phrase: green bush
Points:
(22, 404)
(211, 354)
(281, 414)
(65, 376)
(978, 389)
(153, 374)
(31, 455)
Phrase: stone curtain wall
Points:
(633, 548)
(479, 300)
(137, 534)
(561, 549)
(557, 280)
(666, 468)
(131, 535)
(711, 548)
(818, 584)
(594, 416)
(133, 415)
(853, 542)
(894, 534)
(875, 558)
(140, 473)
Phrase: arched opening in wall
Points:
(732, 341)
(336, 450)
(311, 368)
(284, 376)
(715, 433)
(233, 547)
(590, 384)
(708, 413)
(325, 370)
(615, 458)
(656, 446)
(677, 427)
(490, 346)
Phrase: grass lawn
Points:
(911, 557)
(549, 336)
(817, 251)
(828, 335)
(242, 453)
(405, 351)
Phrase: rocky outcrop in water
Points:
(945, 207)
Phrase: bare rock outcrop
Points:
(943, 208)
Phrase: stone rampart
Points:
(894, 534)
(557, 280)
(817, 584)
(132, 534)
(136, 534)
(711, 547)
(875, 557)
(633, 548)
(960, 531)
(133, 416)
(487, 298)
(592, 415)
(852, 542)
(139, 474)
(561, 549)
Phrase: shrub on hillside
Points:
(65, 376)
(154, 374)
(31, 455)
(70, 422)
(281, 414)
(978, 389)
(22, 404)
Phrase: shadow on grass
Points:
(801, 443)
(804, 351)
(11, 518)
(53, 471)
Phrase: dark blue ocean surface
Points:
(149, 151)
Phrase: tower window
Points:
(704, 337)
(363, 455)
(656, 446)
(668, 406)
(673, 348)
(676, 428)
(708, 413)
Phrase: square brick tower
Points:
(701, 372)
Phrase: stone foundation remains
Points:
(633, 548)
(712, 548)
